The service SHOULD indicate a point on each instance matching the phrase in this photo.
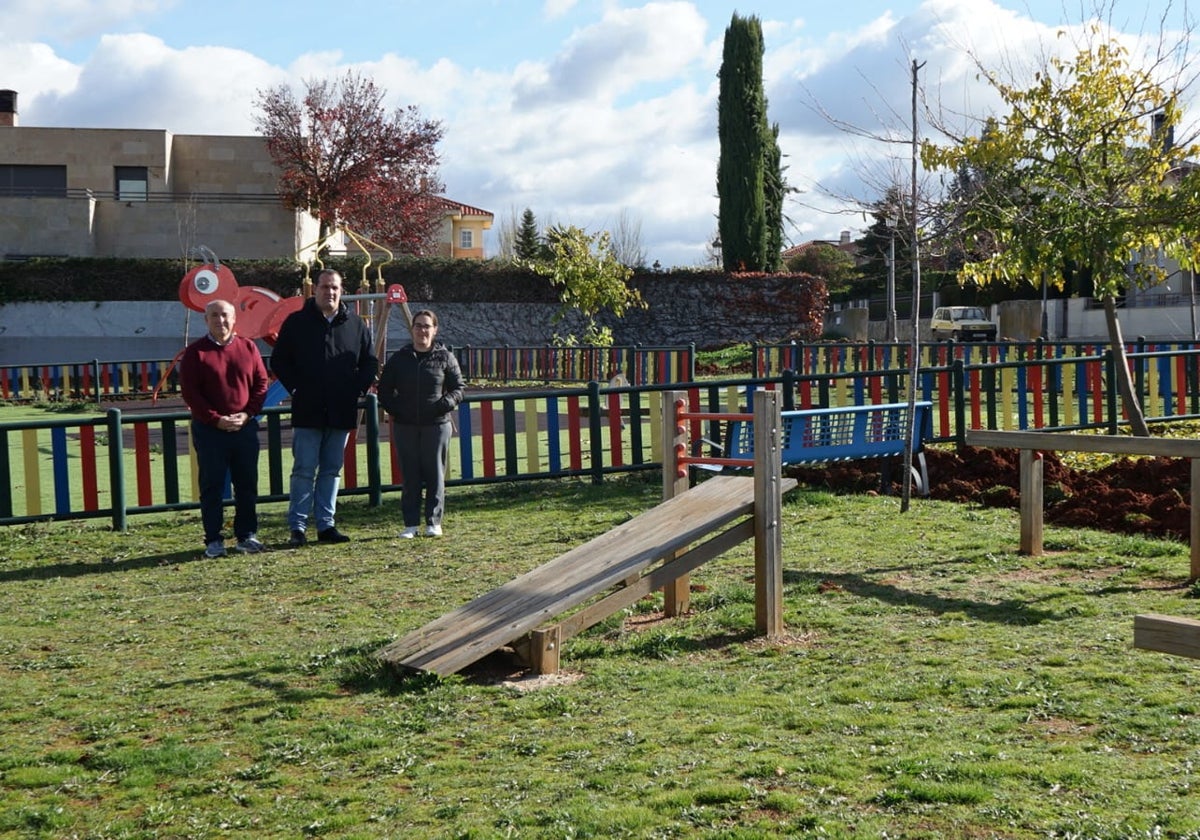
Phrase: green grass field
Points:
(933, 684)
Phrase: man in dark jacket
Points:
(325, 359)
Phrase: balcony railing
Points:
(154, 197)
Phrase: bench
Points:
(818, 435)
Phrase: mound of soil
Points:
(1134, 496)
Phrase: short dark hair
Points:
(428, 312)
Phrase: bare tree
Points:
(626, 240)
(506, 236)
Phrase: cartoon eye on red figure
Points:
(257, 308)
(205, 283)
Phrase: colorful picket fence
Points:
(95, 380)
(115, 465)
(638, 365)
(87, 381)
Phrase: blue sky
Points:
(589, 112)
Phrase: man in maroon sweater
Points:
(224, 383)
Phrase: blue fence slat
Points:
(62, 479)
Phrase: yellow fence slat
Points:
(655, 410)
(33, 472)
(1068, 394)
(533, 457)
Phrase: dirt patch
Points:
(1132, 495)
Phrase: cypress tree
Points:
(742, 131)
(774, 189)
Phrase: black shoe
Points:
(332, 535)
(297, 539)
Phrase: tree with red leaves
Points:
(346, 161)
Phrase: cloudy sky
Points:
(585, 111)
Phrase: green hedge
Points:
(424, 279)
(81, 279)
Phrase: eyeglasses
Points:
(423, 326)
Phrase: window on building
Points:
(132, 183)
(466, 239)
(16, 179)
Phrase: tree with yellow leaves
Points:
(1083, 175)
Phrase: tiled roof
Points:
(461, 209)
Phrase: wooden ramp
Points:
(615, 559)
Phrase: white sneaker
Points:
(433, 531)
(408, 533)
(216, 548)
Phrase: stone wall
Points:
(681, 311)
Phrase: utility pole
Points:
(914, 355)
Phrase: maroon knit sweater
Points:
(217, 380)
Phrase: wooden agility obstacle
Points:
(1033, 444)
(538, 611)
(1167, 634)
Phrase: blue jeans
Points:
(316, 466)
(227, 454)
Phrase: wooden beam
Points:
(1167, 634)
(1062, 442)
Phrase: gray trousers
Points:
(423, 452)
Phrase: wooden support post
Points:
(1031, 502)
(768, 495)
(677, 595)
(545, 646)
(1194, 525)
(1167, 634)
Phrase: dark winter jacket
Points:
(421, 389)
(325, 365)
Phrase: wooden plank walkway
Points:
(457, 639)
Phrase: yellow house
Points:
(104, 192)
(462, 231)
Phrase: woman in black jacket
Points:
(420, 387)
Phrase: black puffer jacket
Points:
(421, 389)
(325, 365)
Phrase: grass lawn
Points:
(933, 683)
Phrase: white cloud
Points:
(554, 9)
(136, 81)
(627, 48)
(33, 69)
(68, 20)
(618, 115)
